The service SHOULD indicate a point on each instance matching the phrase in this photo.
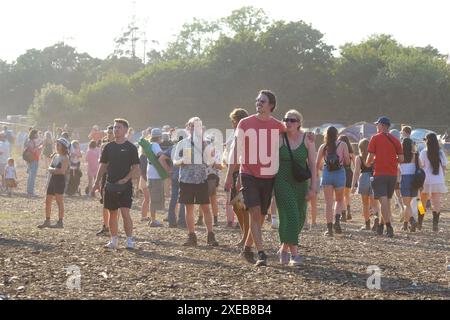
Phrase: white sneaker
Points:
(295, 261)
(130, 243)
(111, 245)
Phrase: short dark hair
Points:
(406, 129)
(92, 144)
(123, 122)
(238, 114)
(32, 133)
(271, 96)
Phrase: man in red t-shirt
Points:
(385, 152)
(256, 148)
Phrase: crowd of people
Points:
(267, 163)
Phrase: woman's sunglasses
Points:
(290, 120)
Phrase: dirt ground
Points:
(37, 264)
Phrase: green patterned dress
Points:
(290, 195)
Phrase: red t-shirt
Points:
(258, 146)
(386, 152)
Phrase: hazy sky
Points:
(92, 25)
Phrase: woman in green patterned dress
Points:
(292, 196)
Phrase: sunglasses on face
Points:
(290, 120)
(261, 100)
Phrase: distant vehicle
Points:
(417, 135)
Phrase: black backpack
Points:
(419, 175)
(332, 160)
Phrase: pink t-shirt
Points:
(258, 146)
(92, 156)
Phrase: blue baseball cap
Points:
(156, 132)
(384, 120)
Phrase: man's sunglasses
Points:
(290, 120)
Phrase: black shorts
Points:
(194, 193)
(114, 201)
(56, 185)
(383, 186)
(257, 192)
(348, 177)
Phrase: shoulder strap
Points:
(288, 145)
(417, 160)
(390, 140)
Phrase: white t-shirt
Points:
(151, 171)
(5, 152)
(10, 172)
(430, 178)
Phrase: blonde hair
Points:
(363, 145)
(297, 115)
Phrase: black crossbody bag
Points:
(300, 174)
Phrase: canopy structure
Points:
(359, 130)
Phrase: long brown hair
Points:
(330, 140)
(345, 139)
(407, 146)
(433, 152)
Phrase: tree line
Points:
(213, 66)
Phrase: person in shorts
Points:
(119, 159)
(56, 184)
(193, 180)
(257, 178)
(385, 153)
(408, 191)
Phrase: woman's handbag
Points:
(299, 173)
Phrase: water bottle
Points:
(420, 207)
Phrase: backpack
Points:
(419, 175)
(332, 160)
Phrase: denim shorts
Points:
(406, 187)
(333, 178)
(364, 187)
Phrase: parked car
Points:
(418, 136)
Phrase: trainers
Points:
(145, 219)
(46, 224)
(295, 261)
(390, 231)
(337, 227)
(262, 259)
(173, 225)
(111, 245)
(191, 241)
(248, 255)
(344, 216)
(284, 257)
(212, 240)
(103, 232)
(58, 225)
(155, 224)
(130, 244)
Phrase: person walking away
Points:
(346, 214)
(434, 164)
(361, 185)
(332, 156)
(408, 191)
(56, 184)
(385, 152)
